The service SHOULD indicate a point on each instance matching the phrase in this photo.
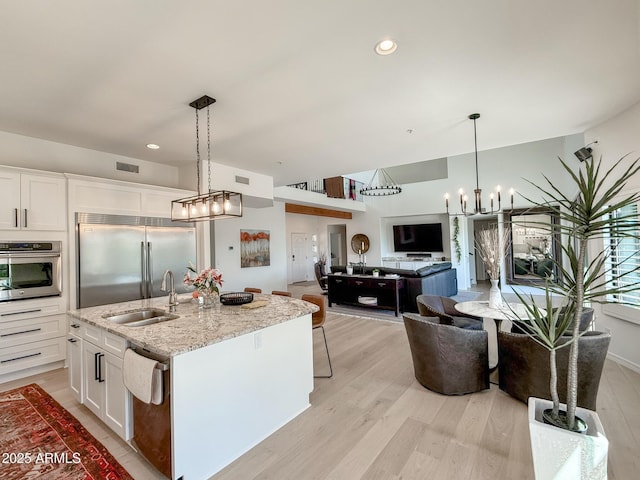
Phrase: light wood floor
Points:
(372, 420)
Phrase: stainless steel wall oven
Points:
(29, 270)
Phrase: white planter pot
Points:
(559, 453)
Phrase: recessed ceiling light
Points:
(386, 46)
(153, 146)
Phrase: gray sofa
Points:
(437, 279)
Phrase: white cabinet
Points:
(102, 387)
(32, 336)
(30, 201)
(99, 195)
(75, 365)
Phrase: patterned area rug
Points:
(40, 440)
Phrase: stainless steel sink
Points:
(140, 318)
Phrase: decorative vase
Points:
(495, 297)
(376, 274)
(349, 270)
(559, 453)
(207, 299)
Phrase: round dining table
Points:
(492, 319)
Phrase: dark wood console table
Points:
(345, 289)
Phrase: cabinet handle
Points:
(19, 313)
(15, 214)
(72, 340)
(75, 325)
(382, 284)
(100, 357)
(20, 358)
(19, 333)
(95, 365)
(25, 218)
(359, 283)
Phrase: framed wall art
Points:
(254, 248)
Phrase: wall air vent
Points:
(243, 180)
(127, 167)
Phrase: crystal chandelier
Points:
(477, 192)
(211, 205)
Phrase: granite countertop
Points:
(195, 328)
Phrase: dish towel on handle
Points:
(142, 378)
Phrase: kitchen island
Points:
(236, 374)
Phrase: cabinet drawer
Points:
(89, 333)
(31, 354)
(18, 332)
(114, 344)
(99, 337)
(21, 309)
(357, 282)
(383, 284)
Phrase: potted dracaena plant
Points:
(598, 210)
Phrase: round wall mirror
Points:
(360, 243)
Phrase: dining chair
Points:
(317, 321)
(252, 290)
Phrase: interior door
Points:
(299, 257)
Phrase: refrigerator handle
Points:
(143, 271)
(149, 272)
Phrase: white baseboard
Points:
(624, 362)
(27, 372)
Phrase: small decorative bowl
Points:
(236, 298)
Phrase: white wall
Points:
(227, 250)
(29, 152)
(616, 138)
(507, 167)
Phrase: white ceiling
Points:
(300, 92)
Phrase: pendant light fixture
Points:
(477, 192)
(382, 187)
(211, 205)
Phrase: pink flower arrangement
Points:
(208, 280)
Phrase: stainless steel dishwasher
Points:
(152, 423)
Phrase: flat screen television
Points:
(419, 238)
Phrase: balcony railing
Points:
(334, 187)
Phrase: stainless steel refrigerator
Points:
(123, 258)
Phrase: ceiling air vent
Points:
(127, 167)
(240, 179)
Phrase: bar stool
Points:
(317, 321)
(282, 293)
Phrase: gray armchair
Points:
(444, 309)
(447, 359)
(525, 371)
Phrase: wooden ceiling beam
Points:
(319, 212)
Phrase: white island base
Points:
(229, 396)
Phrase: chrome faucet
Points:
(173, 296)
